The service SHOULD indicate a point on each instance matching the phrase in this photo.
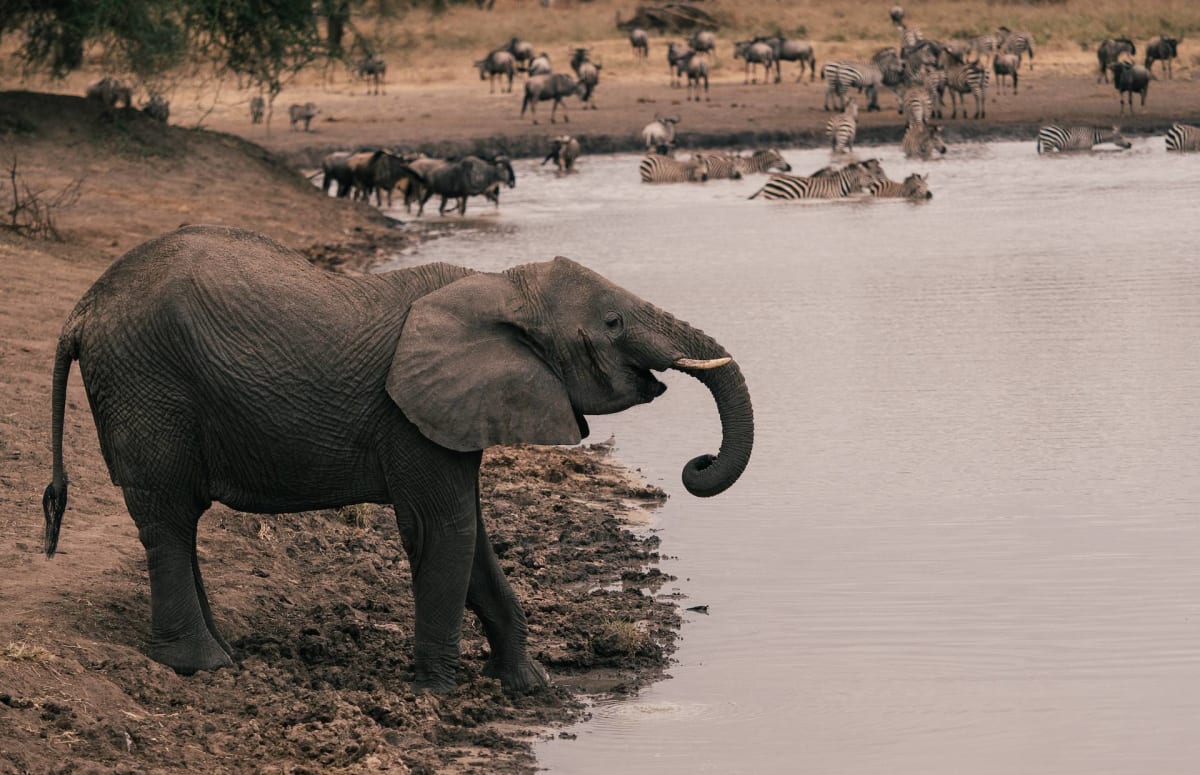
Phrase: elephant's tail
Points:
(54, 500)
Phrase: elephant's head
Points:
(522, 356)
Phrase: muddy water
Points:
(969, 539)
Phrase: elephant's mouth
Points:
(648, 387)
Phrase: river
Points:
(969, 538)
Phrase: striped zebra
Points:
(915, 187)
(963, 78)
(841, 77)
(921, 141)
(984, 46)
(1019, 43)
(763, 161)
(852, 179)
(842, 128)
(916, 106)
(909, 36)
(1183, 137)
(656, 168)
(719, 166)
(1077, 138)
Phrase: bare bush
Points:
(32, 211)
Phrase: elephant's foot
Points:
(525, 677)
(191, 654)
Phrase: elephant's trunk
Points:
(704, 359)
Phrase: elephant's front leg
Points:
(493, 601)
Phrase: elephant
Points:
(221, 366)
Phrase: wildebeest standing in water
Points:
(306, 113)
(542, 88)
(563, 151)
(471, 176)
(1130, 78)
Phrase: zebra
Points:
(756, 53)
(1109, 51)
(660, 132)
(762, 161)
(656, 168)
(984, 45)
(1183, 137)
(843, 128)
(909, 36)
(921, 141)
(696, 67)
(852, 179)
(640, 41)
(1017, 43)
(962, 79)
(1162, 48)
(498, 62)
(914, 188)
(1006, 64)
(843, 76)
(306, 113)
(1077, 138)
(1130, 78)
(916, 106)
(720, 166)
(934, 81)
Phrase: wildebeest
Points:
(379, 171)
(1130, 78)
(522, 50)
(564, 151)
(588, 73)
(704, 42)
(157, 108)
(695, 65)
(1006, 64)
(498, 62)
(335, 168)
(374, 69)
(554, 86)
(675, 55)
(1161, 48)
(257, 106)
(540, 65)
(755, 53)
(640, 40)
(108, 92)
(791, 50)
(465, 178)
(306, 113)
(1109, 51)
(897, 15)
(660, 132)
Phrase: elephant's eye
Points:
(613, 322)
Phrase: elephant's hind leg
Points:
(493, 601)
(180, 621)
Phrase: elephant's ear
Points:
(468, 373)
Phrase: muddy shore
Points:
(318, 605)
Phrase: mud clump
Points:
(318, 609)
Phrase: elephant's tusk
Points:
(695, 365)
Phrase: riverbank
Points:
(318, 606)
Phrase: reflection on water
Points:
(968, 541)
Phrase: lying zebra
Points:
(656, 168)
(1077, 138)
(915, 188)
(827, 184)
(1183, 137)
(723, 166)
(921, 140)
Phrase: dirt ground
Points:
(317, 605)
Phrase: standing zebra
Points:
(656, 168)
(840, 77)
(921, 141)
(1109, 51)
(852, 179)
(964, 78)
(1183, 137)
(914, 188)
(916, 106)
(1018, 43)
(842, 128)
(1077, 138)
(983, 46)
(719, 166)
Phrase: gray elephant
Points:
(221, 366)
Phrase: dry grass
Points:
(20, 651)
(620, 638)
